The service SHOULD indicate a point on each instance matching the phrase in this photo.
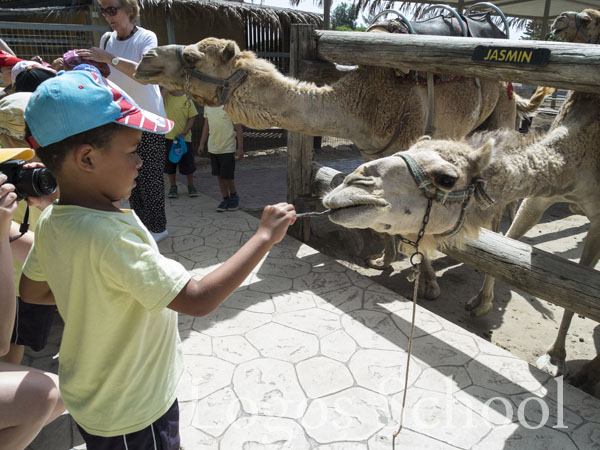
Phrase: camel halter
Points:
(475, 188)
(224, 85)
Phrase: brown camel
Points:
(379, 111)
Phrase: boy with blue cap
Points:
(120, 356)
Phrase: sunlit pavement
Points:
(307, 354)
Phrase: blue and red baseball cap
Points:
(78, 101)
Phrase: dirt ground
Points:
(519, 323)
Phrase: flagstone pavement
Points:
(307, 354)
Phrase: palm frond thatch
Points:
(230, 11)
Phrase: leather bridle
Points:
(475, 188)
(224, 85)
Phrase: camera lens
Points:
(35, 183)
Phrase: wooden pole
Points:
(570, 66)
(300, 146)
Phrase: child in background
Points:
(120, 356)
(221, 133)
(183, 113)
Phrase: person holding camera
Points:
(33, 322)
(29, 398)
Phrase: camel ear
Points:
(425, 137)
(481, 158)
(585, 17)
(229, 51)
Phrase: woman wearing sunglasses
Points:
(123, 48)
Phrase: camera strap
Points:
(23, 228)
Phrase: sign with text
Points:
(511, 55)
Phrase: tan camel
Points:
(561, 166)
(379, 111)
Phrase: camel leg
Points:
(388, 256)
(553, 361)
(428, 285)
(529, 214)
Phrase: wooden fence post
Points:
(300, 146)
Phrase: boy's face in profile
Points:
(104, 174)
(116, 166)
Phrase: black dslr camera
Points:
(28, 182)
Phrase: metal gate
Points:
(47, 40)
(269, 42)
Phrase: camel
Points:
(377, 110)
(563, 165)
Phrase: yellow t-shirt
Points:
(34, 215)
(179, 113)
(120, 355)
(221, 134)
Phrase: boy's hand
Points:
(239, 154)
(40, 202)
(8, 204)
(201, 149)
(275, 221)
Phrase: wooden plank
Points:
(534, 271)
(570, 66)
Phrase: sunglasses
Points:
(110, 11)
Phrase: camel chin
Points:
(360, 216)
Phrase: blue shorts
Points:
(223, 165)
(32, 324)
(163, 434)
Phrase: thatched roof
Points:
(232, 11)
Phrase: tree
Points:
(344, 16)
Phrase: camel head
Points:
(583, 27)
(213, 57)
(383, 195)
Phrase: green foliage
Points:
(344, 15)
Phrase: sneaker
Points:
(233, 204)
(160, 236)
(223, 205)
(172, 192)
(192, 192)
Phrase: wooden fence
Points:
(569, 66)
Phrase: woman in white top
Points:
(123, 49)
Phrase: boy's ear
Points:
(84, 156)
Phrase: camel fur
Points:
(369, 106)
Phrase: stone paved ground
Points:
(308, 354)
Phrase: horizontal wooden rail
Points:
(570, 66)
(534, 271)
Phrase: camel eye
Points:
(445, 181)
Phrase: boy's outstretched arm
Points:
(199, 298)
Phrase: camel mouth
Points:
(146, 75)
(355, 209)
